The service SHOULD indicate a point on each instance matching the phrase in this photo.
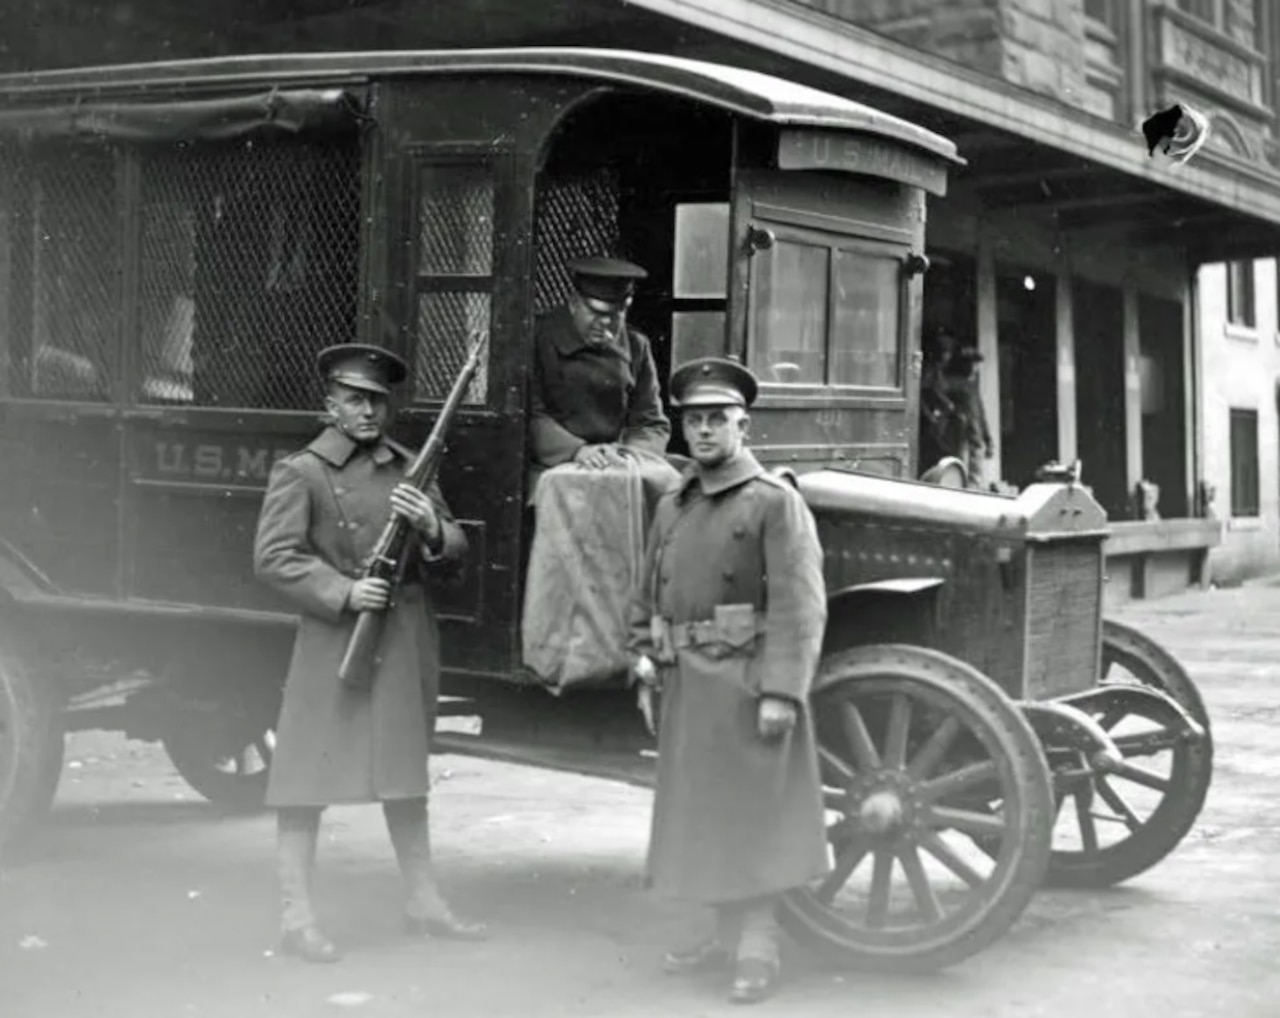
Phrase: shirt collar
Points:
(336, 448)
(567, 342)
(731, 474)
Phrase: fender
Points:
(901, 610)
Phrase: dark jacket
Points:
(585, 394)
(323, 511)
(735, 816)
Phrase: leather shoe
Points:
(309, 944)
(708, 956)
(754, 980)
(446, 927)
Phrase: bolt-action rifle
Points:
(389, 558)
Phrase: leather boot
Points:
(296, 833)
(758, 966)
(426, 911)
(712, 954)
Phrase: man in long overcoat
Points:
(732, 607)
(323, 511)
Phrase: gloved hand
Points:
(776, 717)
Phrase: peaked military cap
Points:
(607, 279)
(713, 381)
(359, 366)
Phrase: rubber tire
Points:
(948, 675)
(188, 752)
(1173, 819)
(31, 751)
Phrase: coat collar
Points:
(565, 338)
(336, 448)
(737, 471)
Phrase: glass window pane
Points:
(702, 250)
(446, 322)
(696, 334)
(864, 342)
(789, 313)
(455, 221)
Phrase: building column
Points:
(1132, 388)
(1065, 358)
(989, 345)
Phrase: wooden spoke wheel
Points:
(1112, 827)
(31, 750)
(915, 747)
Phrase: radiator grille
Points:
(1064, 591)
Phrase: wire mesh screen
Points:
(455, 274)
(575, 217)
(7, 225)
(455, 221)
(250, 259)
(64, 255)
(446, 322)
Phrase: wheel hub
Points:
(881, 812)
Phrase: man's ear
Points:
(744, 424)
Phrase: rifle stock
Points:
(389, 558)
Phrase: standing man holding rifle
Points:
(324, 540)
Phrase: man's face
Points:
(597, 321)
(714, 433)
(359, 415)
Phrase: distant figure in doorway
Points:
(953, 418)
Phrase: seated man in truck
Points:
(598, 436)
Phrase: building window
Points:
(1241, 302)
(1241, 21)
(1244, 463)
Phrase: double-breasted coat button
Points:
(739, 532)
(728, 575)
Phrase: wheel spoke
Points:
(1140, 776)
(918, 880)
(1084, 819)
(855, 730)
(958, 781)
(1108, 719)
(842, 770)
(1146, 743)
(935, 749)
(1116, 801)
(835, 799)
(946, 855)
(846, 863)
(264, 750)
(881, 881)
(969, 821)
(895, 747)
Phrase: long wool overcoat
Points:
(735, 817)
(324, 509)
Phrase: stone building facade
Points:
(1065, 253)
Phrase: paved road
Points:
(139, 902)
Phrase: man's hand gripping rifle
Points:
(390, 556)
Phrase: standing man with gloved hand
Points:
(732, 608)
(321, 516)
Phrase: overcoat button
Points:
(739, 533)
(728, 575)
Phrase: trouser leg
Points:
(297, 830)
(761, 936)
(407, 823)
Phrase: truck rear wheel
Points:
(939, 808)
(31, 749)
(226, 764)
